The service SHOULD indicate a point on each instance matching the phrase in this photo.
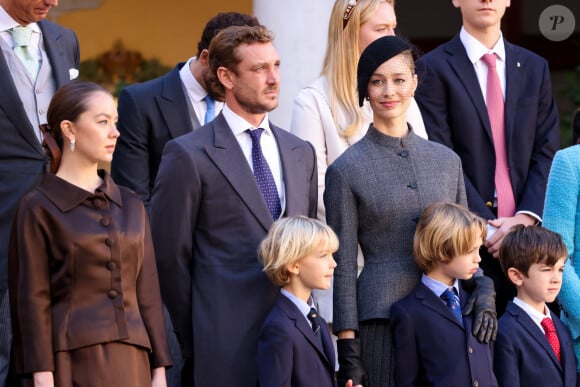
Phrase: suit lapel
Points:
(463, 68)
(292, 168)
(55, 51)
(228, 157)
(513, 75)
(526, 322)
(306, 330)
(10, 102)
(173, 104)
(431, 301)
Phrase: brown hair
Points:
(223, 50)
(68, 103)
(445, 231)
(219, 22)
(291, 239)
(524, 246)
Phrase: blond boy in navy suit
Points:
(434, 343)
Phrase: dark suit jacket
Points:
(432, 348)
(150, 114)
(208, 218)
(290, 354)
(455, 114)
(22, 159)
(523, 356)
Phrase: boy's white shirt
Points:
(536, 316)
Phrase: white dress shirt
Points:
(268, 143)
(536, 316)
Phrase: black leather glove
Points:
(350, 363)
(482, 304)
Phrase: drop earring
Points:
(72, 145)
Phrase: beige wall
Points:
(168, 30)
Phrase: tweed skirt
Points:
(378, 352)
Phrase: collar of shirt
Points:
(438, 287)
(302, 306)
(194, 89)
(475, 50)
(67, 196)
(240, 125)
(536, 316)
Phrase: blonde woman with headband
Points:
(327, 113)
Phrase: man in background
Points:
(36, 58)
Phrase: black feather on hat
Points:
(377, 53)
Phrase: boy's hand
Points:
(482, 304)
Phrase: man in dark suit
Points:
(154, 112)
(209, 212)
(452, 96)
(23, 103)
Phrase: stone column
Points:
(300, 28)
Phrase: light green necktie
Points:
(22, 36)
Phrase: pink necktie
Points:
(506, 205)
(551, 335)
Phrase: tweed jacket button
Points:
(111, 265)
(109, 242)
(404, 153)
(113, 293)
(412, 185)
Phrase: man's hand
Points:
(482, 304)
(503, 226)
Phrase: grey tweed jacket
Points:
(375, 193)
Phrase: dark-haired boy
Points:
(533, 348)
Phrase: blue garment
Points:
(562, 215)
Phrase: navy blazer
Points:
(453, 108)
(150, 114)
(432, 348)
(208, 217)
(22, 159)
(290, 354)
(523, 356)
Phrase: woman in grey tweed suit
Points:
(375, 192)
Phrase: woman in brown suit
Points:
(83, 286)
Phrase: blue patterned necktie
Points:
(313, 318)
(452, 300)
(22, 36)
(263, 175)
(210, 109)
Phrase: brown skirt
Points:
(102, 365)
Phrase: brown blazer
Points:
(82, 272)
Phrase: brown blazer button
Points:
(113, 293)
(111, 265)
(109, 242)
(489, 204)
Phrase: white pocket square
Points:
(73, 74)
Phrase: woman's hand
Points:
(43, 379)
(158, 377)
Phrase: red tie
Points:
(551, 335)
(506, 205)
